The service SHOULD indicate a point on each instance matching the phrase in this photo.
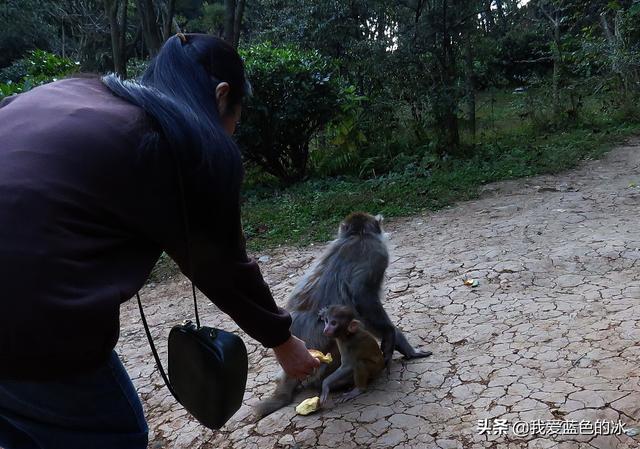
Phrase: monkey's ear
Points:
(354, 326)
(343, 229)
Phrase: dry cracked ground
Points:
(551, 332)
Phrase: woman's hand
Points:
(295, 359)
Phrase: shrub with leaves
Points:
(39, 67)
(136, 67)
(337, 150)
(295, 94)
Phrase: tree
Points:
(436, 35)
(555, 13)
(296, 94)
(233, 15)
(620, 27)
(116, 11)
(151, 21)
(24, 27)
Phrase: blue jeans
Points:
(100, 410)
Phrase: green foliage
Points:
(295, 94)
(7, 89)
(378, 93)
(40, 67)
(136, 67)
(16, 71)
(207, 19)
(337, 150)
(25, 26)
(514, 57)
(509, 147)
(44, 66)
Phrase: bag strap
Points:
(154, 351)
(185, 219)
(187, 238)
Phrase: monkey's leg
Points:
(361, 374)
(336, 378)
(377, 320)
(283, 395)
(403, 346)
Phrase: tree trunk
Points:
(488, 16)
(470, 86)
(229, 20)
(615, 42)
(500, 9)
(150, 28)
(64, 54)
(556, 67)
(168, 20)
(449, 117)
(118, 34)
(237, 22)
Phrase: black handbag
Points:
(207, 370)
(207, 366)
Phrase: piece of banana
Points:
(308, 406)
(320, 356)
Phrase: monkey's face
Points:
(331, 327)
(336, 320)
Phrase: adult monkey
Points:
(350, 273)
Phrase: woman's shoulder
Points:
(86, 95)
(78, 105)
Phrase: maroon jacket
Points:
(85, 213)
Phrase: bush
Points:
(40, 67)
(338, 149)
(136, 67)
(15, 72)
(295, 95)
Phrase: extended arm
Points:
(220, 268)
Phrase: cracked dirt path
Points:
(552, 331)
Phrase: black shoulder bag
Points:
(207, 367)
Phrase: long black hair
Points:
(178, 92)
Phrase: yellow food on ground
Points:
(309, 405)
(471, 282)
(320, 356)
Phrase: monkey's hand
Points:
(295, 359)
(324, 395)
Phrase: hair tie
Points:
(182, 37)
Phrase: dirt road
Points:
(547, 343)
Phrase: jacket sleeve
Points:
(215, 259)
(217, 263)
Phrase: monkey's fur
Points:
(361, 357)
(350, 273)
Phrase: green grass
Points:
(311, 211)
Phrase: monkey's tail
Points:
(282, 396)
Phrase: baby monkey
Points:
(361, 357)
